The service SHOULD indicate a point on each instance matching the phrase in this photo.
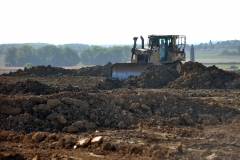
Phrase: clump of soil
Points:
(28, 86)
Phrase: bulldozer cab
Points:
(161, 48)
(165, 45)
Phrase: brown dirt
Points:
(56, 113)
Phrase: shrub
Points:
(28, 65)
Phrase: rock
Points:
(75, 102)
(52, 136)
(72, 129)
(119, 99)
(54, 102)
(135, 150)
(61, 142)
(174, 121)
(61, 119)
(42, 108)
(121, 125)
(208, 119)
(160, 154)
(52, 116)
(79, 124)
(187, 82)
(55, 123)
(38, 122)
(236, 119)
(108, 146)
(38, 137)
(22, 118)
(90, 125)
(27, 138)
(83, 142)
(208, 83)
(186, 119)
(134, 105)
(36, 158)
(145, 107)
(84, 124)
(180, 148)
(97, 140)
(8, 110)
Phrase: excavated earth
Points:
(54, 113)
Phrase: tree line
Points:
(101, 55)
(231, 53)
(76, 46)
(229, 47)
(65, 56)
(47, 55)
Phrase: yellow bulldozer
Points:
(161, 50)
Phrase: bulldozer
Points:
(161, 50)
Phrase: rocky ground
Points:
(54, 113)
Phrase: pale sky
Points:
(116, 21)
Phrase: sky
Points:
(117, 21)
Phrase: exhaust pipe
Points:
(142, 42)
(135, 41)
(134, 46)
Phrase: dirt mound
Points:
(97, 71)
(196, 75)
(154, 76)
(103, 71)
(82, 111)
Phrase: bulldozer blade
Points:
(124, 70)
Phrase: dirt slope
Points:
(54, 113)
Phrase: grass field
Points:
(224, 65)
(215, 56)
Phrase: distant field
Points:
(1, 59)
(223, 66)
(215, 57)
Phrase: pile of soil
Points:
(103, 71)
(154, 76)
(198, 76)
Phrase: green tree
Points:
(49, 55)
(26, 54)
(70, 57)
(100, 55)
(10, 57)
